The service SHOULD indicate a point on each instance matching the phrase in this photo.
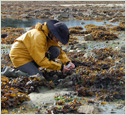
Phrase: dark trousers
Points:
(32, 68)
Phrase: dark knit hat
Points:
(59, 30)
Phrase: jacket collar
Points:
(45, 29)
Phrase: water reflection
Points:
(30, 22)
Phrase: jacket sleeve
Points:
(38, 50)
(63, 57)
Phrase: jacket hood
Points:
(42, 27)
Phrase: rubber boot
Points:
(10, 72)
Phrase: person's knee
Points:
(30, 68)
(54, 52)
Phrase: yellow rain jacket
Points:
(33, 45)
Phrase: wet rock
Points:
(113, 42)
(109, 57)
(82, 23)
(94, 12)
(89, 54)
(84, 45)
(113, 111)
(116, 48)
(123, 14)
(74, 9)
(118, 14)
(88, 37)
(37, 111)
(55, 78)
(81, 46)
(124, 108)
(88, 109)
(80, 14)
(113, 20)
(72, 51)
(118, 42)
(75, 46)
(4, 35)
(25, 16)
(113, 67)
(44, 16)
(48, 13)
(68, 81)
(123, 49)
(107, 41)
(37, 10)
(122, 60)
(79, 50)
(117, 62)
(75, 15)
(4, 61)
(105, 66)
(111, 13)
(63, 15)
(102, 14)
(120, 106)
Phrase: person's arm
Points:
(65, 60)
(63, 57)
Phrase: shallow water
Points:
(31, 22)
(111, 108)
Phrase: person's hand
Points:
(65, 68)
(71, 65)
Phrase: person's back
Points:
(23, 46)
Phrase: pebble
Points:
(71, 51)
(113, 112)
(116, 48)
(88, 37)
(79, 51)
(120, 106)
(82, 23)
(88, 109)
(109, 57)
(18, 111)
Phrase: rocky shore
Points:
(60, 10)
(95, 86)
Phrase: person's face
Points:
(55, 39)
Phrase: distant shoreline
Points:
(67, 2)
